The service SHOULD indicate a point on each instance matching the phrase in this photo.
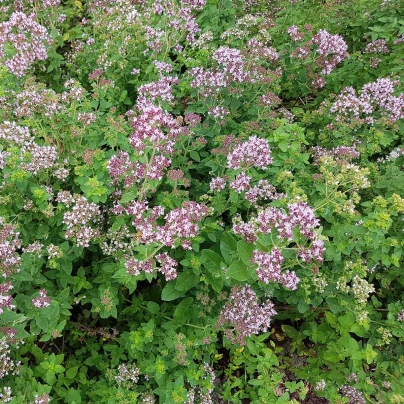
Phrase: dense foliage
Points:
(201, 201)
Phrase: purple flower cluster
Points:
(9, 243)
(6, 300)
(161, 89)
(294, 33)
(42, 399)
(34, 158)
(36, 99)
(232, 62)
(269, 269)
(399, 40)
(301, 52)
(181, 19)
(168, 266)
(340, 154)
(6, 395)
(80, 218)
(217, 184)
(262, 191)
(375, 96)
(128, 375)
(7, 365)
(253, 153)
(41, 301)
(155, 131)
(352, 394)
(244, 313)
(378, 46)
(149, 126)
(181, 225)
(235, 66)
(162, 67)
(219, 113)
(256, 50)
(332, 50)
(27, 38)
(282, 225)
(270, 100)
(208, 81)
(241, 183)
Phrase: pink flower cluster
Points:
(217, 184)
(262, 191)
(339, 153)
(253, 153)
(332, 50)
(35, 99)
(155, 131)
(181, 19)
(80, 218)
(300, 215)
(245, 314)
(41, 301)
(27, 38)
(219, 112)
(6, 300)
(241, 183)
(181, 225)
(269, 269)
(162, 67)
(7, 365)
(168, 266)
(294, 33)
(9, 243)
(42, 399)
(235, 66)
(270, 100)
(149, 129)
(34, 158)
(208, 81)
(232, 62)
(375, 96)
(161, 89)
(282, 225)
(378, 46)
(258, 50)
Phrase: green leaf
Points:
(283, 146)
(73, 396)
(370, 354)
(245, 251)
(186, 280)
(195, 156)
(228, 247)
(50, 377)
(170, 293)
(346, 322)
(153, 307)
(43, 323)
(238, 271)
(182, 313)
(256, 382)
(128, 196)
(212, 261)
(302, 307)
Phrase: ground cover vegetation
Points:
(201, 201)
